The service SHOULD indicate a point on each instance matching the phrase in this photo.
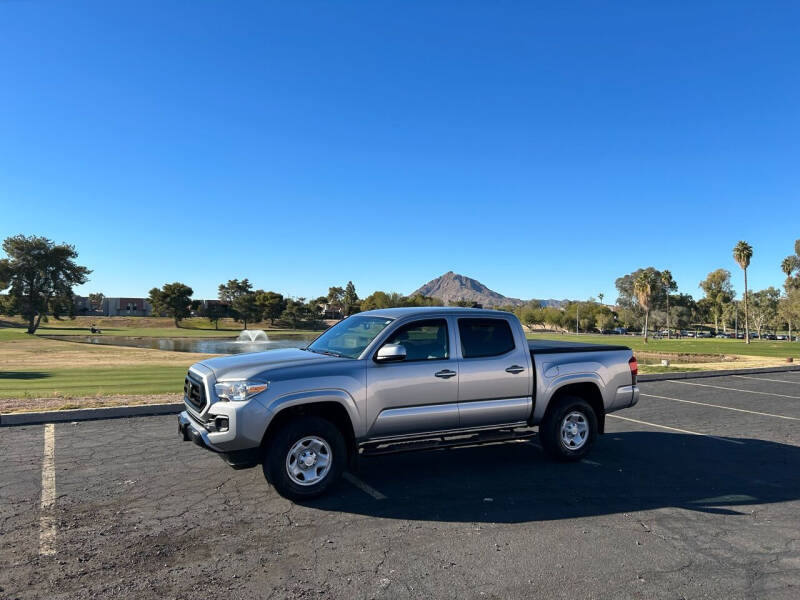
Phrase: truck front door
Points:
(420, 393)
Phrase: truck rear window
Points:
(485, 337)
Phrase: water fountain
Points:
(250, 336)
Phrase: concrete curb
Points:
(722, 373)
(89, 414)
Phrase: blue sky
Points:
(542, 148)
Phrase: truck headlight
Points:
(239, 391)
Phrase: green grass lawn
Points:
(12, 333)
(92, 381)
(686, 345)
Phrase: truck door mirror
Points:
(391, 353)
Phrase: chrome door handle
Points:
(446, 374)
(515, 369)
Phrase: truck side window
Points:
(423, 340)
(485, 337)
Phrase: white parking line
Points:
(363, 486)
(591, 462)
(720, 387)
(765, 379)
(714, 437)
(47, 521)
(752, 412)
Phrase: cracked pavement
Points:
(655, 514)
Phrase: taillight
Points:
(634, 365)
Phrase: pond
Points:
(200, 345)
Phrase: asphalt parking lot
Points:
(694, 493)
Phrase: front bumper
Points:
(192, 431)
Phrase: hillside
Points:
(451, 287)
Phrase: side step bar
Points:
(445, 441)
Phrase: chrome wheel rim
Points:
(309, 460)
(574, 430)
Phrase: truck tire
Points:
(569, 429)
(305, 457)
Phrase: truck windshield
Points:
(348, 338)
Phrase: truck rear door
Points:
(495, 376)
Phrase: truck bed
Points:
(559, 347)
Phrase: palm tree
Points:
(788, 265)
(601, 296)
(643, 288)
(669, 285)
(742, 253)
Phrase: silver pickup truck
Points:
(402, 379)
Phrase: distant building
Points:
(83, 306)
(127, 307)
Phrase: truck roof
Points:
(396, 313)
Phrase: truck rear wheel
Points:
(305, 457)
(569, 429)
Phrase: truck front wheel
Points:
(305, 457)
(569, 429)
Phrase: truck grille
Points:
(194, 393)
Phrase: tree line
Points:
(40, 274)
(648, 299)
(237, 299)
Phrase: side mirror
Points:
(391, 353)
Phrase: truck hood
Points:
(244, 366)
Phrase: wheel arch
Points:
(332, 410)
(587, 390)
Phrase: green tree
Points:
(718, 290)
(247, 308)
(39, 275)
(531, 315)
(380, 300)
(791, 268)
(742, 253)
(272, 305)
(297, 312)
(233, 289)
(350, 299)
(604, 320)
(764, 307)
(335, 299)
(96, 300)
(643, 288)
(669, 285)
(228, 292)
(213, 311)
(173, 300)
(789, 308)
(627, 295)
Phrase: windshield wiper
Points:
(326, 352)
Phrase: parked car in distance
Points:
(400, 379)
